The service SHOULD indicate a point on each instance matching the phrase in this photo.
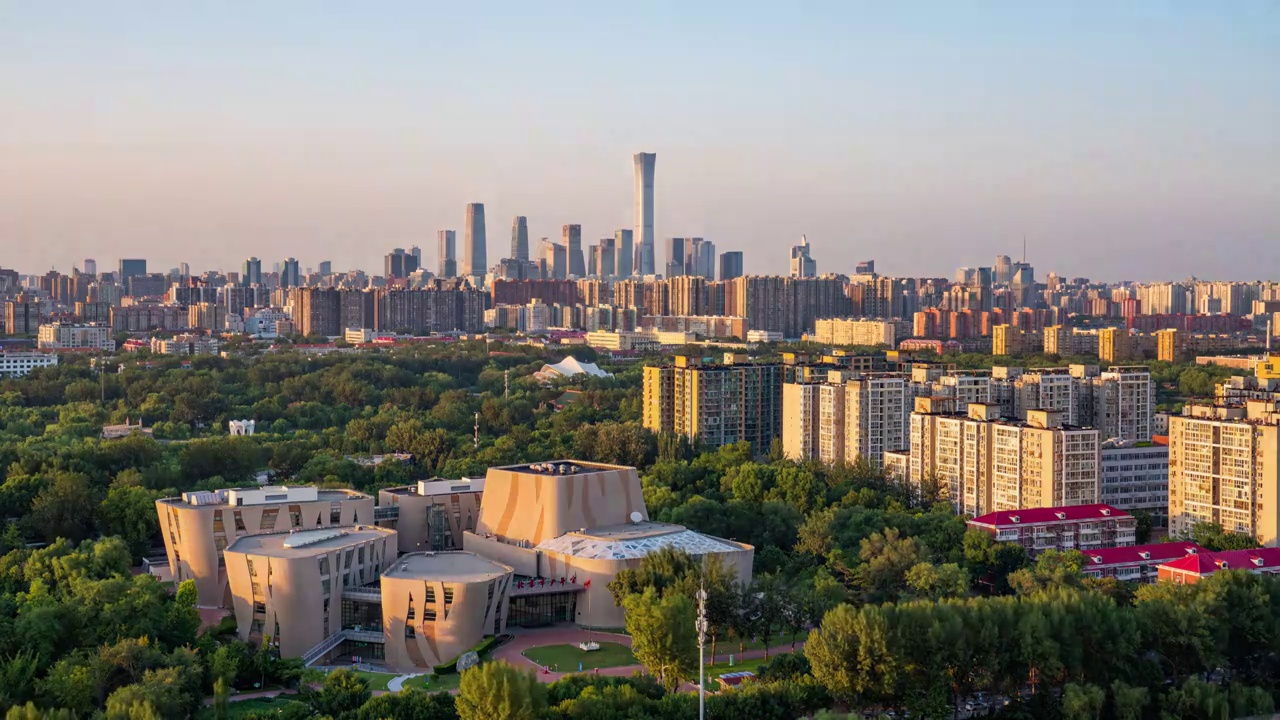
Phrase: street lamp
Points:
(701, 625)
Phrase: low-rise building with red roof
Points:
(1070, 527)
(1137, 563)
(1194, 568)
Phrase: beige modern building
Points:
(1224, 468)
(433, 514)
(198, 526)
(984, 463)
(567, 528)
(290, 586)
(436, 606)
(715, 404)
(848, 417)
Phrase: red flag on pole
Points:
(574, 579)
(587, 584)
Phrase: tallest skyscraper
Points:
(643, 236)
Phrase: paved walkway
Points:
(513, 652)
(396, 684)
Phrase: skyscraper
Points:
(399, 264)
(730, 265)
(644, 164)
(701, 258)
(129, 268)
(608, 257)
(446, 244)
(520, 238)
(802, 265)
(251, 272)
(553, 257)
(571, 238)
(416, 252)
(675, 257)
(475, 260)
(91, 265)
(1003, 270)
(289, 274)
(326, 267)
(623, 253)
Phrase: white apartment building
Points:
(1135, 476)
(17, 363)
(75, 336)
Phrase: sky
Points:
(1136, 140)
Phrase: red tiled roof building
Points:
(1073, 527)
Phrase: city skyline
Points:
(953, 136)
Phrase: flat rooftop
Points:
(457, 566)
(219, 497)
(561, 467)
(307, 543)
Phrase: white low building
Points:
(569, 367)
(17, 363)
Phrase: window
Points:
(268, 522)
(408, 632)
(428, 616)
(324, 566)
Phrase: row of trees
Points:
(930, 656)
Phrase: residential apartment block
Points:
(715, 404)
(984, 463)
(1135, 476)
(850, 416)
(1224, 468)
(75, 336)
(1086, 528)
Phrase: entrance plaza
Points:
(548, 539)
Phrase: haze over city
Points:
(1126, 142)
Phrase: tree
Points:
(497, 690)
(991, 562)
(412, 703)
(1053, 569)
(832, 650)
(937, 582)
(1213, 537)
(886, 558)
(129, 512)
(1128, 702)
(220, 694)
(1198, 700)
(662, 635)
(65, 509)
(343, 692)
(1082, 702)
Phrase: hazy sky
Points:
(1132, 139)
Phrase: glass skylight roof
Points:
(605, 548)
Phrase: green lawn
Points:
(377, 681)
(720, 668)
(567, 657)
(436, 683)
